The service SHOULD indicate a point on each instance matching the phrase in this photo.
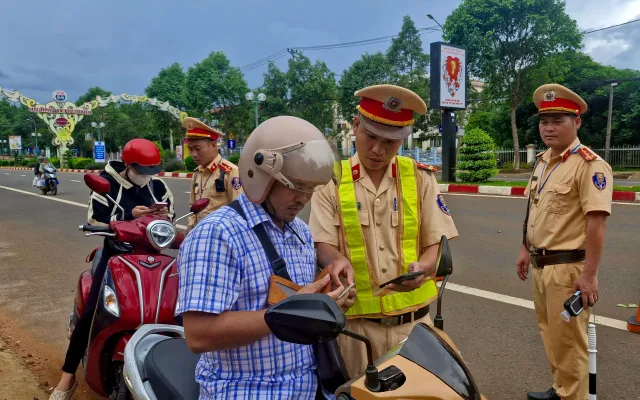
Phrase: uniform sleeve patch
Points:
(442, 205)
(235, 183)
(599, 180)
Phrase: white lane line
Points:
(610, 322)
(515, 301)
(188, 192)
(73, 180)
(73, 203)
(622, 203)
(22, 175)
(6, 173)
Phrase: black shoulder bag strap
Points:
(277, 263)
(330, 365)
(526, 219)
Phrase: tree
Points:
(506, 39)
(408, 65)
(276, 88)
(477, 162)
(91, 95)
(214, 84)
(370, 69)
(313, 91)
(169, 85)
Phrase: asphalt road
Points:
(42, 254)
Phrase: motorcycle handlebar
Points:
(94, 229)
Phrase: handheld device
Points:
(403, 277)
(572, 307)
(158, 206)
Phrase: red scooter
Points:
(140, 287)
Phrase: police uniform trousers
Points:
(564, 342)
(383, 338)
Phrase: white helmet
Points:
(289, 150)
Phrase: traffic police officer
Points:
(215, 178)
(570, 196)
(385, 219)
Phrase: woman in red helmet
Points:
(135, 190)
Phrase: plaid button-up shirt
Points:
(223, 267)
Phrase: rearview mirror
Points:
(97, 183)
(199, 205)
(306, 319)
(444, 263)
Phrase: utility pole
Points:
(608, 139)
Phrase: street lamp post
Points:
(35, 134)
(261, 97)
(99, 126)
(608, 137)
(434, 20)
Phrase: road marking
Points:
(73, 203)
(6, 173)
(515, 301)
(605, 321)
(22, 175)
(622, 203)
(73, 180)
(188, 192)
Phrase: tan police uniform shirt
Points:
(379, 220)
(572, 187)
(203, 185)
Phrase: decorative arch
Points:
(62, 116)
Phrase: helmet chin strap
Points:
(269, 209)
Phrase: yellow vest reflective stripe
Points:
(409, 240)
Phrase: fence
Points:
(625, 157)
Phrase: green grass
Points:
(524, 184)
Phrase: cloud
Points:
(619, 47)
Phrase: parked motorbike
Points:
(427, 365)
(139, 287)
(49, 182)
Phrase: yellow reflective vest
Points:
(408, 242)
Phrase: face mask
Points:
(137, 178)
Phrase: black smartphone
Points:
(403, 277)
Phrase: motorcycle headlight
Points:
(161, 234)
(111, 301)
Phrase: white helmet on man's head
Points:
(289, 150)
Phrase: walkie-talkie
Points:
(572, 307)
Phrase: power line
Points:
(610, 27)
(292, 50)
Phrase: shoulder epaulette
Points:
(426, 167)
(587, 154)
(540, 154)
(225, 167)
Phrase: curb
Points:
(444, 187)
(519, 191)
(94, 171)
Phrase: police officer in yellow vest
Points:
(385, 219)
(215, 178)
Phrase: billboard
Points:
(15, 142)
(448, 89)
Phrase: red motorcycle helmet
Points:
(143, 156)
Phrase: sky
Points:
(121, 45)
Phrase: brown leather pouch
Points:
(280, 288)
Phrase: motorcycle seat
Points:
(96, 260)
(168, 381)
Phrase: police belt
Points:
(402, 318)
(541, 257)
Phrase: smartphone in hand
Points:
(403, 277)
(158, 206)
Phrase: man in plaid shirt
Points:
(224, 272)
